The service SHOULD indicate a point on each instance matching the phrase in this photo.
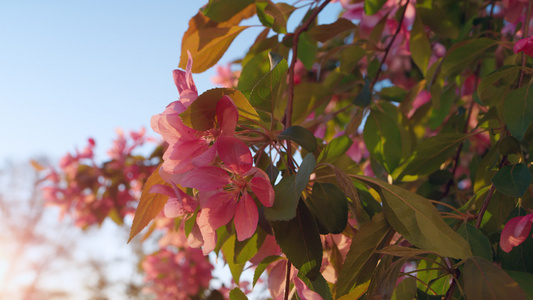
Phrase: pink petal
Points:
(520, 45)
(162, 189)
(235, 154)
(206, 179)
(304, 292)
(206, 158)
(173, 208)
(208, 234)
(246, 217)
(269, 248)
(227, 116)
(183, 80)
(515, 232)
(263, 191)
(219, 209)
(276, 278)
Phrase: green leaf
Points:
(513, 180)
(494, 86)
(223, 10)
(274, 15)
(416, 219)
(201, 114)
(150, 204)
(334, 149)
(245, 250)
(479, 243)
(300, 135)
(460, 57)
(306, 169)
(401, 251)
(263, 265)
(307, 49)
(518, 111)
(285, 202)
(253, 71)
(348, 188)
(484, 280)
(362, 257)
(237, 294)
(393, 93)
(419, 46)
(365, 96)
(406, 289)
(329, 206)
(384, 136)
(430, 276)
(300, 241)
(524, 280)
(229, 253)
(264, 93)
(349, 58)
(373, 6)
(324, 33)
(432, 152)
(319, 285)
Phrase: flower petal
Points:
(304, 292)
(235, 154)
(263, 190)
(246, 217)
(219, 209)
(206, 178)
(515, 232)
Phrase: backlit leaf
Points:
(223, 10)
(362, 257)
(274, 15)
(416, 219)
(264, 94)
(229, 253)
(237, 294)
(420, 46)
(373, 6)
(245, 250)
(513, 180)
(335, 148)
(300, 135)
(150, 205)
(263, 265)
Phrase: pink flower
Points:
(304, 292)
(225, 192)
(226, 77)
(515, 232)
(524, 45)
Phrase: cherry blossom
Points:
(524, 45)
(515, 232)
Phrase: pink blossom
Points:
(515, 232)
(226, 77)
(304, 292)
(524, 45)
(225, 192)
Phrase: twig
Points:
(287, 281)
(390, 45)
(485, 206)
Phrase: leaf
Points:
(483, 280)
(393, 93)
(406, 289)
(285, 202)
(335, 148)
(401, 251)
(383, 136)
(253, 71)
(432, 152)
(365, 96)
(479, 243)
(362, 257)
(419, 46)
(223, 10)
(306, 169)
(274, 15)
(416, 219)
(524, 280)
(307, 49)
(348, 188)
(325, 32)
(300, 241)
(495, 85)
(150, 204)
(318, 285)
(329, 206)
(229, 253)
(513, 180)
(266, 91)
(460, 57)
(373, 6)
(237, 294)
(200, 115)
(263, 265)
(518, 111)
(300, 135)
(245, 250)
(349, 58)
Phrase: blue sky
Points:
(70, 70)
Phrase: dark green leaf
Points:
(512, 180)
(524, 280)
(518, 111)
(479, 243)
(329, 206)
(420, 46)
(393, 93)
(300, 135)
(306, 169)
(307, 49)
(319, 285)
(493, 86)
(365, 96)
(348, 188)
(362, 258)
(460, 57)
(406, 289)
(223, 10)
(300, 241)
(323, 33)
(349, 58)
(484, 280)
(416, 219)
(401, 251)
(285, 202)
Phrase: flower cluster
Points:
(213, 162)
(90, 192)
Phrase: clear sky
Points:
(70, 70)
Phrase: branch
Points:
(390, 45)
(484, 207)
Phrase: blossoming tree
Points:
(384, 155)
